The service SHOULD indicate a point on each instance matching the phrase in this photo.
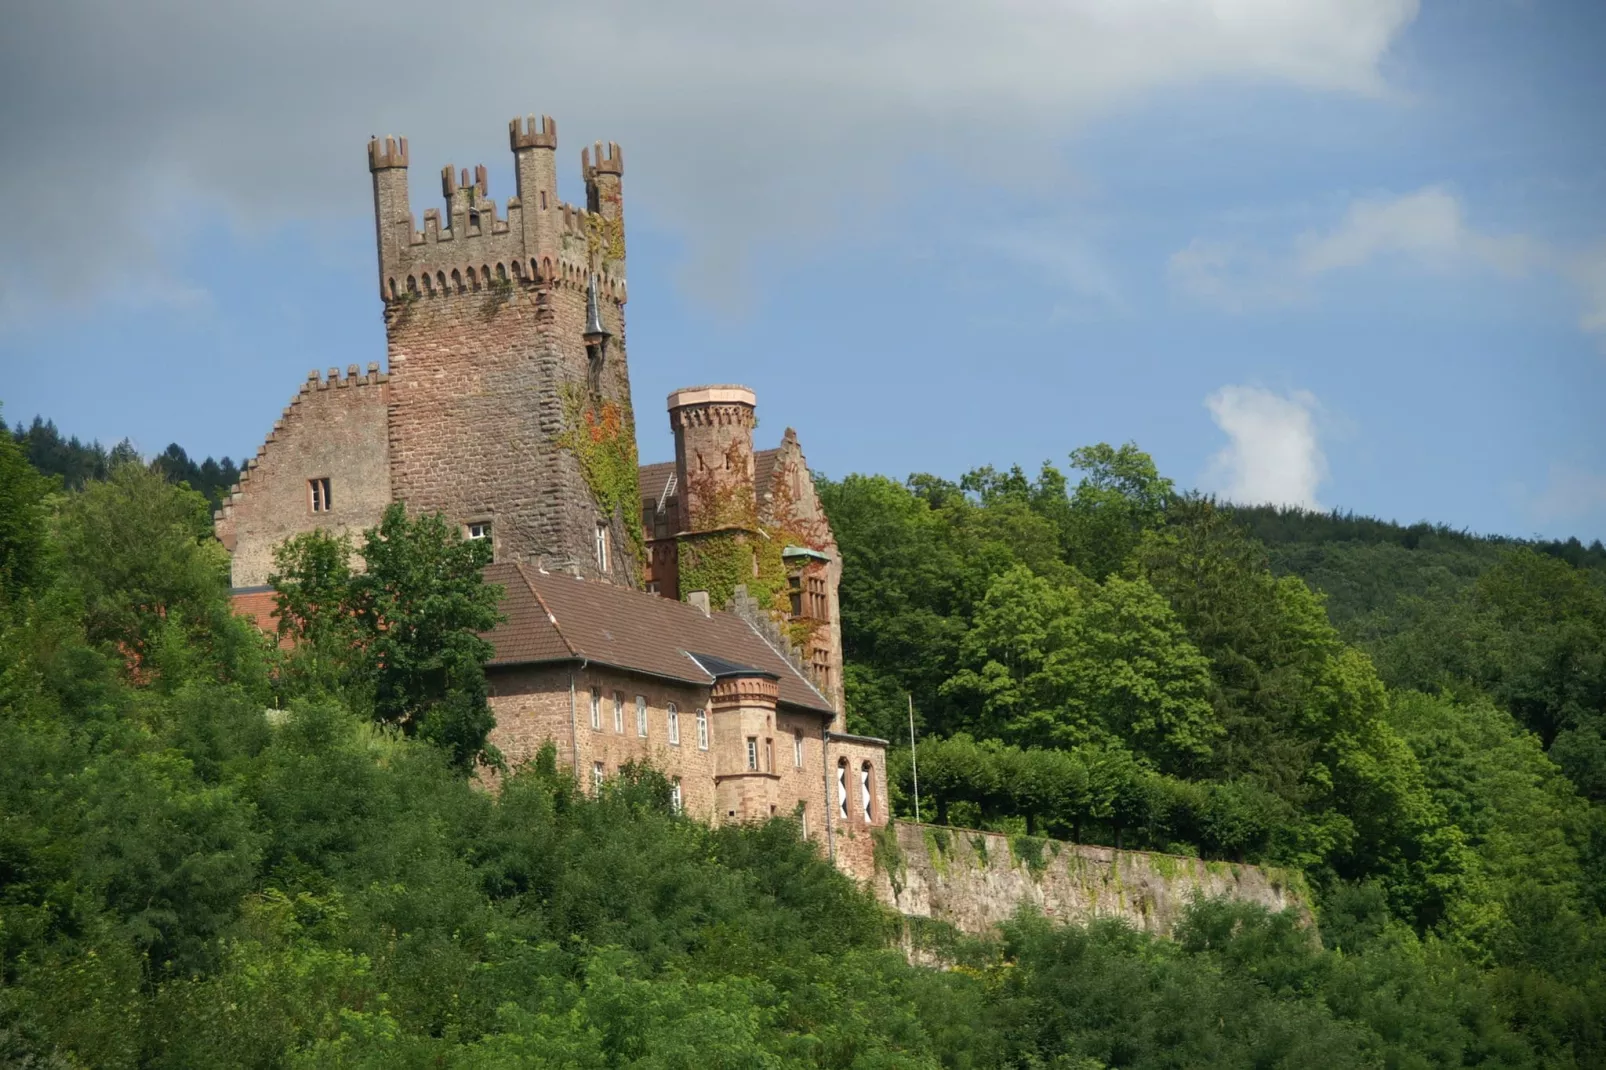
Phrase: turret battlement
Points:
(538, 240)
(611, 164)
(528, 134)
(383, 155)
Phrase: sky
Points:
(1339, 253)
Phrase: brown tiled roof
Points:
(554, 617)
(763, 470)
(653, 479)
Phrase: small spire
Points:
(595, 332)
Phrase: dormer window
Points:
(479, 529)
(318, 496)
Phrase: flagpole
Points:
(913, 765)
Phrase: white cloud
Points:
(741, 121)
(1570, 493)
(1272, 455)
(1427, 229)
(1588, 272)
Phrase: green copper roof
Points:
(805, 551)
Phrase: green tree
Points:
(412, 620)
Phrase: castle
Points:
(683, 612)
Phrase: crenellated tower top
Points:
(471, 245)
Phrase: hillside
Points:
(218, 852)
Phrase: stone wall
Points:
(334, 429)
(974, 880)
(484, 386)
(532, 705)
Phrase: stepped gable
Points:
(557, 617)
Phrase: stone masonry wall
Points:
(791, 503)
(974, 880)
(335, 428)
(482, 383)
(853, 838)
(531, 706)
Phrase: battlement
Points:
(383, 155)
(611, 164)
(467, 244)
(527, 134)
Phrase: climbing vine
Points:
(605, 238)
(602, 436)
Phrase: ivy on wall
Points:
(602, 436)
(605, 238)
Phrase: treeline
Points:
(77, 462)
(1101, 657)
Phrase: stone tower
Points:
(509, 392)
(713, 427)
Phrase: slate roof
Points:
(555, 617)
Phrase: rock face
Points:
(974, 880)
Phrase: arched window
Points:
(842, 788)
(797, 748)
(674, 721)
(865, 793)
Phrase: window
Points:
(797, 748)
(842, 789)
(864, 792)
(596, 775)
(817, 605)
(318, 495)
(480, 529)
(618, 713)
(602, 546)
(803, 818)
(596, 708)
(674, 722)
(674, 796)
(769, 755)
(702, 729)
(641, 716)
(752, 752)
(794, 590)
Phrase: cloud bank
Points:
(1272, 455)
(131, 125)
(1427, 229)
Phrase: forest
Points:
(217, 850)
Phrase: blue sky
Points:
(1341, 252)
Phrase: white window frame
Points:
(476, 530)
(641, 716)
(676, 802)
(596, 708)
(797, 748)
(842, 789)
(866, 793)
(752, 752)
(618, 714)
(702, 729)
(672, 714)
(602, 546)
(598, 774)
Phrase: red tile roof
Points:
(555, 617)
